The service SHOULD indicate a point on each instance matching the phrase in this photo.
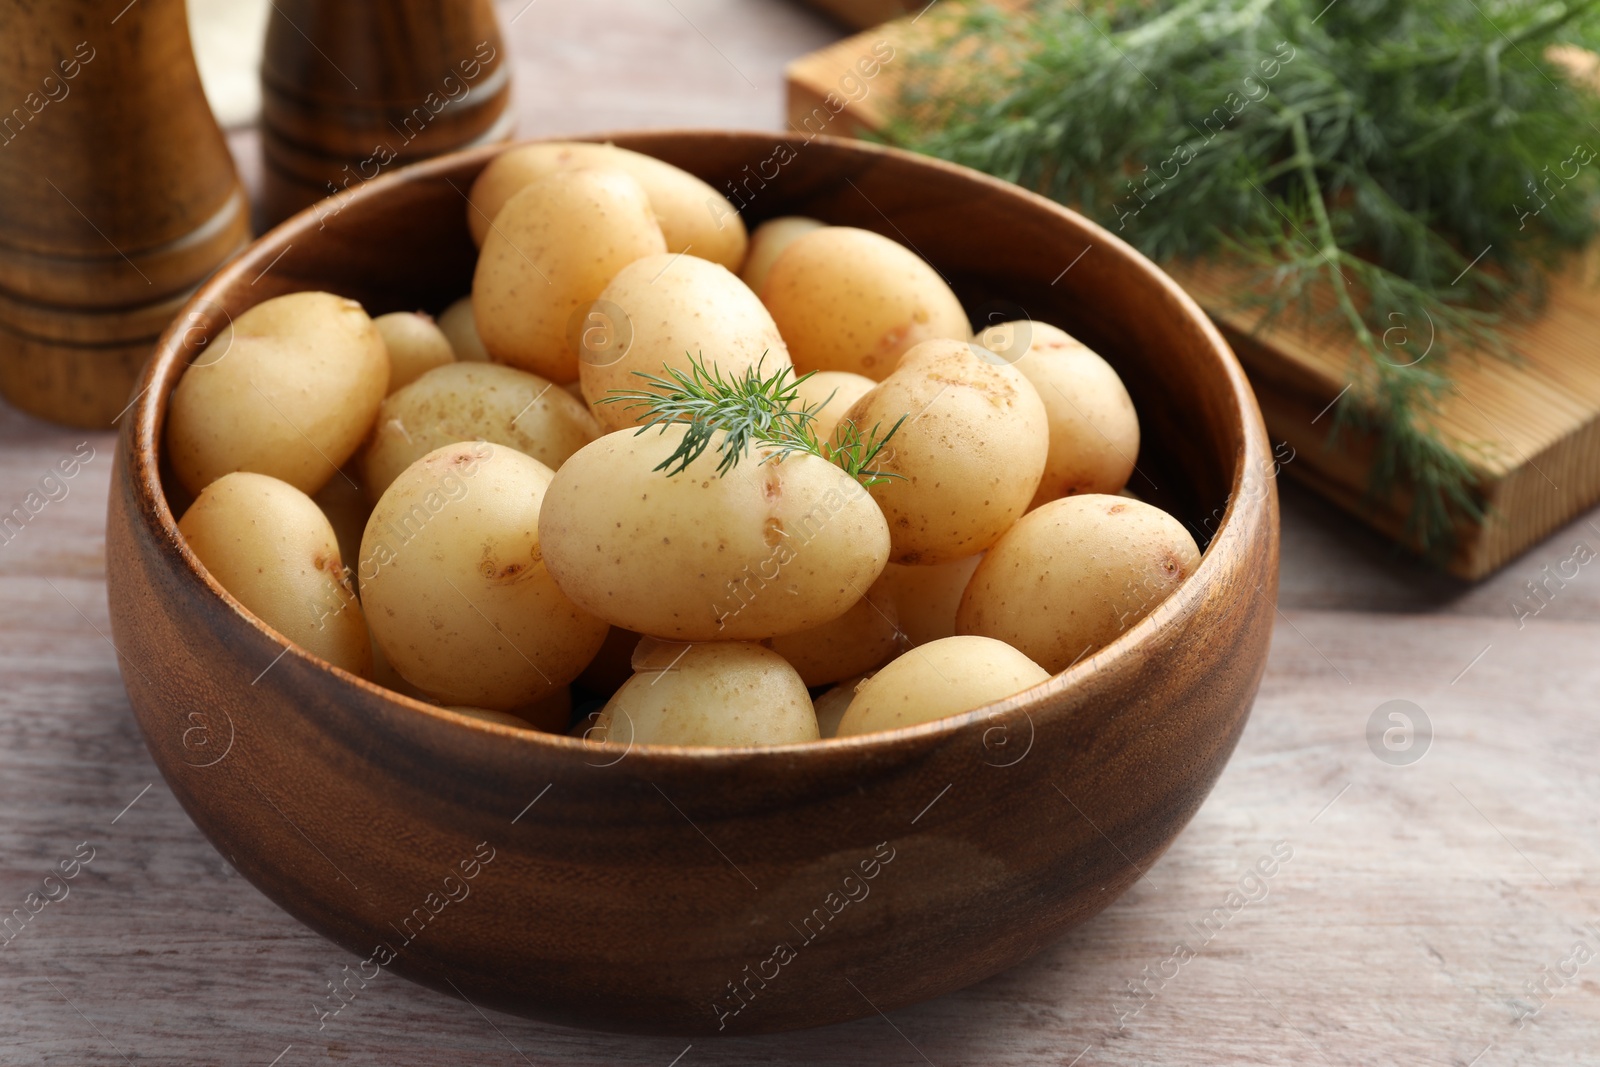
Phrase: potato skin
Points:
(415, 345)
(499, 718)
(851, 300)
(926, 598)
(1074, 574)
(769, 241)
(555, 245)
(272, 549)
(469, 402)
(460, 325)
(345, 503)
(831, 706)
(552, 715)
(857, 641)
(455, 590)
(969, 455)
(713, 693)
(691, 213)
(939, 679)
(835, 390)
(770, 549)
(673, 307)
(290, 389)
(1094, 431)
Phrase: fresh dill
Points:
(749, 409)
(1417, 166)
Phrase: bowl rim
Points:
(169, 360)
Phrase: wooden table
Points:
(1419, 906)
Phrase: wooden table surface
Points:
(1441, 912)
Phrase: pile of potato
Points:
(450, 509)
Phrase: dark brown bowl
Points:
(693, 891)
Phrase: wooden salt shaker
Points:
(351, 91)
(117, 197)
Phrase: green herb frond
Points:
(1416, 165)
(749, 409)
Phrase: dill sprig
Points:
(1417, 166)
(749, 409)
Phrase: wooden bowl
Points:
(697, 891)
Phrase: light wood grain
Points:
(1399, 933)
(1528, 430)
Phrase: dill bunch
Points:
(1426, 162)
(749, 409)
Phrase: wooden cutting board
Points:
(1529, 430)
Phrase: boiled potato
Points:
(345, 504)
(768, 242)
(290, 389)
(848, 299)
(926, 598)
(554, 247)
(831, 706)
(673, 308)
(382, 672)
(969, 454)
(714, 693)
(551, 715)
(770, 549)
(461, 327)
(1094, 431)
(692, 215)
(941, 678)
(856, 641)
(415, 344)
(454, 587)
(499, 718)
(272, 549)
(831, 392)
(471, 402)
(1075, 573)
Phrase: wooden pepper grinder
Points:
(117, 197)
(351, 91)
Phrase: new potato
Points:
(347, 508)
(968, 455)
(552, 715)
(856, 641)
(290, 389)
(772, 548)
(851, 300)
(831, 706)
(415, 345)
(691, 213)
(926, 597)
(717, 693)
(554, 247)
(469, 402)
(672, 308)
(1075, 573)
(939, 679)
(831, 392)
(271, 547)
(768, 242)
(1094, 431)
(460, 326)
(454, 587)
